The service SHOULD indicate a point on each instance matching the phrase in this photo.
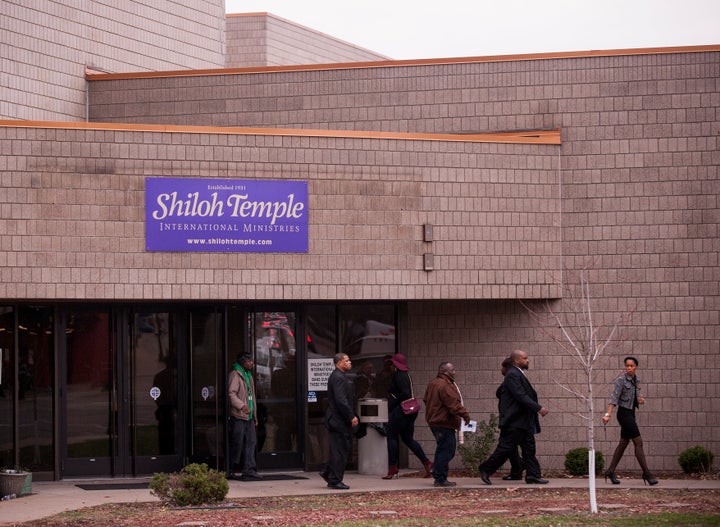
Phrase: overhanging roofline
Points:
(535, 137)
(93, 75)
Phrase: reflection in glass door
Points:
(89, 425)
(276, 378)
(207, 375)
(321, 338)
(26, 387)
(120, 397)
(8, 455)
(156, 439)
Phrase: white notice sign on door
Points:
(319, 371)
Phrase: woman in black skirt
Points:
(627, 396)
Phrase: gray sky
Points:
(417, 29)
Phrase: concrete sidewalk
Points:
(51, 498)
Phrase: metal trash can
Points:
(372, 447)
(373, 410)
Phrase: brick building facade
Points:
(527, 169)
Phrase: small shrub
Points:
(478, 445)
(576, 461)
(696, 459)
(195, 484)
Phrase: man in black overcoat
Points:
(519, 422)
(340, 419)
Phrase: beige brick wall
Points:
(679, 373)
(263, 39)
(74, 226)
(48, 44)
(607, 105)
(638, 169)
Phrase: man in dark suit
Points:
(516, 463)
(519, 422)
(340, 419)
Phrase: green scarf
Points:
(247, 376)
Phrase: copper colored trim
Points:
(92, 76)
(258, 13)
(541, 137)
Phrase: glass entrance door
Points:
(89, 399)
(274, 349)
(26, 388)
(155, 412)
(120, 400)
(207, 379)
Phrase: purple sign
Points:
(226, 215)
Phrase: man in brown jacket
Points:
(443, 412)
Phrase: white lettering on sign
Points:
(170, 206)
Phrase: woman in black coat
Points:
(400, 425)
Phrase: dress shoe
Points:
(428, 468)
(234, 477)
(444, 484)
(393, 472)
(252, 476)
(537, 481)
(338, 486)
(485, 477)
(325, 477)
(649, 479)
(609, 474)
(512, 478)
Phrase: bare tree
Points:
(576, 332)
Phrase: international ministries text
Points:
(226, 227)
(234, 206)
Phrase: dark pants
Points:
(340, 438)
(243, 441)
(516, 464)
(445, 444)
(401, 426)
(510, 439)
